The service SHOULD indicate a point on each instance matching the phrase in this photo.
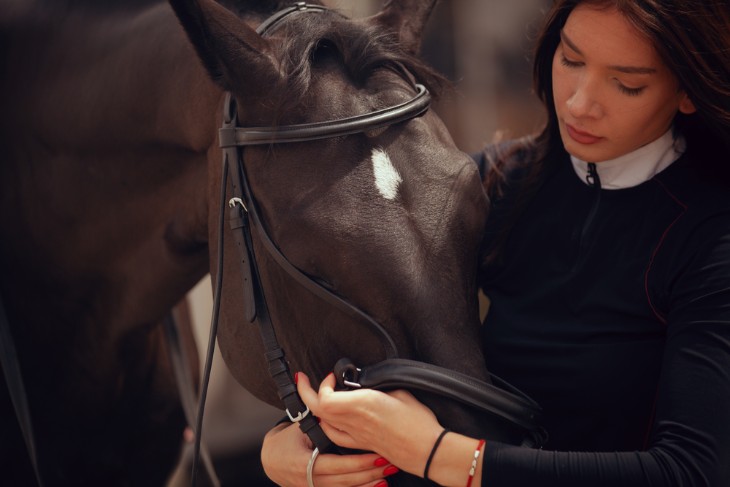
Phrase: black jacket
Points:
(611, 308)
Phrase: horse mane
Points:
(361, 48)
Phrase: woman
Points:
(608, 273)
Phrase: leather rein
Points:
(245, 221)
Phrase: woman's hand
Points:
(394, 425)
(286, 453)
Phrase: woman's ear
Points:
(686, 105)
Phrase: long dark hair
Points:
(692, 37)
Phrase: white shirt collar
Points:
(635, 167)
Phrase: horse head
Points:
(390, 219)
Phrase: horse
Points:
(94, 249)
(111, 173)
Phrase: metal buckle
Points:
(298, 417)
(349, 383)
(234, 201)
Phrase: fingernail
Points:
(296, 378)
(381, 462)
(382, 483)
(390, 470)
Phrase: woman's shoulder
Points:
(699, 192)
(698, 240)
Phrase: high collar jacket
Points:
(611, 309)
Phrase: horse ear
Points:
(407, 18)
(229, 49)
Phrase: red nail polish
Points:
(382, 483)
(381, 462)
(296, 378)
(390, 470)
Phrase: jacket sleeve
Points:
(690, 438)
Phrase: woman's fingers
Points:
(340, 437)
(395, 425)
(313, 398)
(308, 395)
(348, 470)
(336, 464)
(370, 478)
(328, 384)
(286, 453)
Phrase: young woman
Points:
(608, 273)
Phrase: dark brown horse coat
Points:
(110, 171)
(99, 210)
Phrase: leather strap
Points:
(415, 107)
(185, 385)
(14, 380)
(269, 24)
(501, 399)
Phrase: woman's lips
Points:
(582, 137)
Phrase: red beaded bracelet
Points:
(473, 468)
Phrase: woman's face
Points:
(613, 94)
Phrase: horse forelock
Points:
(360, 48)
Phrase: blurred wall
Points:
(484, 47)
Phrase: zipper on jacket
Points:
(594, 181)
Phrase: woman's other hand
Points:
(286, 453)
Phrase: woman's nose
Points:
(584, 101)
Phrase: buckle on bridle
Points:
(347, 374)
(298, 417)
(237, 201)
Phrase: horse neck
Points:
(104, 169)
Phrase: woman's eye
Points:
(630, 91)
(567, 62)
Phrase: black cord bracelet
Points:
(433, 452)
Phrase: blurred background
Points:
(484, 47)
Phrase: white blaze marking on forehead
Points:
(387, 178)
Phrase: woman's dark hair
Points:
(692, 37)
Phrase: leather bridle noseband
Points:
(504, 401)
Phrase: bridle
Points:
(504, 401)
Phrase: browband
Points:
(418, 105)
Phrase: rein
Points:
(504, 402)
(14, 380)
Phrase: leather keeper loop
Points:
(274, 354)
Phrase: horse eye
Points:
(324, 50)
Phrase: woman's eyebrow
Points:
(623, 69)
